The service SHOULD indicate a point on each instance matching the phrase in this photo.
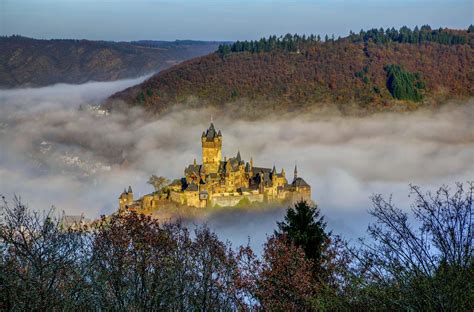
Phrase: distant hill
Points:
(373, 70)
(31, 62)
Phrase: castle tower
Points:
(211, 149)
(130, 195)
(296, 173)
(125, 199)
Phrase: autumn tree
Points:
(280, 281)
(142, 265)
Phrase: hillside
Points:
(32, 62)
(373, 70)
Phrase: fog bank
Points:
(52, 153)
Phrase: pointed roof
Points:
(130, 189)
(211, 133)
(238, 156)
(299, 182)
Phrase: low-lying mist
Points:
(57, 150)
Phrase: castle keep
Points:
(220, 182)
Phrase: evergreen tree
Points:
(306, 228)
(403, 85)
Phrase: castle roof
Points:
(299, 182)
(233, 165)
(196, 169)
(211, 133)
(261, 169)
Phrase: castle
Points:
(220, 182)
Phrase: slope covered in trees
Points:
(31, 62)
(298, 72)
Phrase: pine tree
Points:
(306, 228)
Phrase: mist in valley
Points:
(57, 148)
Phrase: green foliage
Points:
(470, 29)
(406, 35)
(149, 92)
(402, 84)
(305, 228)
(234, 93)
(223, 49)
(295, 43)
(141, 98)
(288, 43)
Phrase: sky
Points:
(220, 19)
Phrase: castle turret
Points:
(211, 149)
(129, 195)
(125, 199)
(274, 174)
(296, 173)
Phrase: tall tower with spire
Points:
(296, 173)
(211, 149)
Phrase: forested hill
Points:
(31, 62)
(373, 70)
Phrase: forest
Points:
(296, 73)
(294, 43)
(414, 259)
(34, 62)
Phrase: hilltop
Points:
(32, 62)
(372, 71)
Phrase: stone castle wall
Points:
(234, 200)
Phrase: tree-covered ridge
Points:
(339, 73)
(295, 43)
(406, 35)
(39, 62)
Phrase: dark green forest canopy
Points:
(404, 85)
(295, 43)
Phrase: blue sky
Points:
(220, 19)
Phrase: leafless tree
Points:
(426, 263)
(158, 182)
(41, 265)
